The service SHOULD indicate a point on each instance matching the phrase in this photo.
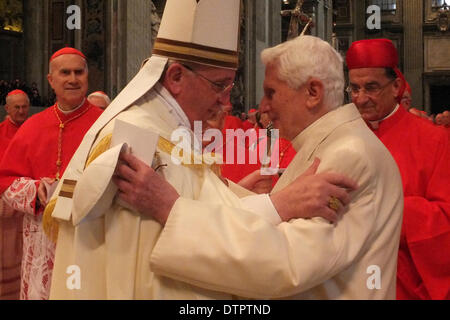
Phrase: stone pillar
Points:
(129, 36)
(139, 35)
(36, 43)
(413, 48)
(359, 16)
(263, 31)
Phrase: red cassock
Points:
(10, 232)
(7, 132)
(232, 122)
(422, 152)
(33, 152)
(232, 169)
(246, 125)
(42, 147)
(254, 148)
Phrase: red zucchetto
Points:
(375, 53)
(14, 92)
(67, 50)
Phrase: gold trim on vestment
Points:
(50, 224)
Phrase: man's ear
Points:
(396, 87)
(173, 78)
(50, 79)
(315, 93)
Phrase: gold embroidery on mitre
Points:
(196, 53)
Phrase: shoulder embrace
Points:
(350, 158)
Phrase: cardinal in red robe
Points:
(17, 107)
(422, 153)
(38, 155)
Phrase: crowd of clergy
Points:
(36, 151)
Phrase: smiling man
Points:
(38, 155)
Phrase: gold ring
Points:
(334, 203)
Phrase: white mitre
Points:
(200, 31)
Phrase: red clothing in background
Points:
(422, 153)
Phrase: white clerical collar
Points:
(73, 110)
(173, 106)
(376, 124)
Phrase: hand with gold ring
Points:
(314, 195)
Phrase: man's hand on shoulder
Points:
(309, 195)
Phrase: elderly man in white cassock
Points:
(187, 79)
(231, 251)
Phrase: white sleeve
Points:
(262, 205)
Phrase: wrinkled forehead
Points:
(367, 75)
(68, 61)
(17, 100)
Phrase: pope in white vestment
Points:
(112, 251)
(212, 241)
(356, 258)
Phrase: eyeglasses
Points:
(369, 90)
(220, 88)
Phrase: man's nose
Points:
(361, 99)
(224, 98)
(264, 105)
(73, 77)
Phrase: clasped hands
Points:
(307, 196)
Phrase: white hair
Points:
(100, 95)
(8, 99)
(307, 57)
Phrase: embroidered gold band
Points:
(67, 188)
(164, 145)
(196, 53)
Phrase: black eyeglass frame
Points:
(221, 87)
(370, 92)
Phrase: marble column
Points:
(139, 35)
(413, 48)
(129, 36)
(36, 43)
(359, 14)
(263, 21)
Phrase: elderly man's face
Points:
(69, 80)
(373, 93)
(283, 105)
(204, 93)
(17, 108)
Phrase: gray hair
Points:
(8, 99)
(305, 57)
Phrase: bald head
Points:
(99, 99)
(17, 107)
